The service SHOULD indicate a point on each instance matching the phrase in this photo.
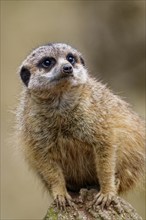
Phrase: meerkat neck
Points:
(64, 99)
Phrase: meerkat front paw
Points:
(61, 201)
(104, 199)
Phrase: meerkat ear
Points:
(25, 75)
(82, 61)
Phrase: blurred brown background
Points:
(111, 36)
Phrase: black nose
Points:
(67, 68)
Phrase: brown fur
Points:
(79, 134)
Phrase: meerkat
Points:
(74, 131)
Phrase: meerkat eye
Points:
(71, 58)
(47, 62)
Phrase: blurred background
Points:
(111, 36)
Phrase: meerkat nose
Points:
(67, 68)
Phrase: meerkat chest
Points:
(66, 132)
(52, 125)
(65, 138)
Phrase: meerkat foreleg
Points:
(105, 164)
(52, 175)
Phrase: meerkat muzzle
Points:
(67, 68)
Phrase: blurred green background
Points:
(111, 36)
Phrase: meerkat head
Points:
(53, 67)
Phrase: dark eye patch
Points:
(46, 63)
(71, 58)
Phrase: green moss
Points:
(51, 215)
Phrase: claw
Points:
(104, 200)
(104, 203)
(62, 201)
(99, 199)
